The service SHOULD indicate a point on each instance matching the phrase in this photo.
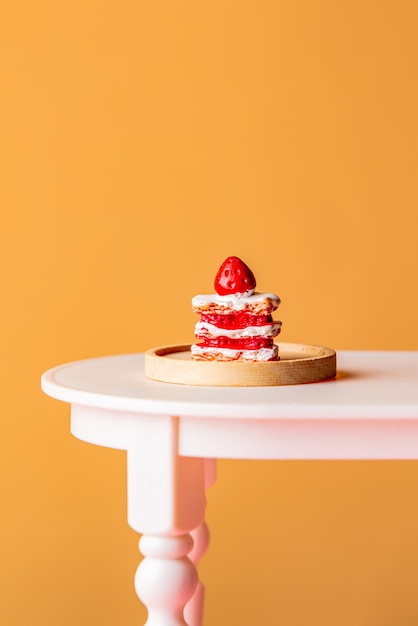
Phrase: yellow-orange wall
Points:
(141, 143)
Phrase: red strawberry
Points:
(234, 277)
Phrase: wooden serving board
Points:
(299, 363)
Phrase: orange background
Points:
(142, 143)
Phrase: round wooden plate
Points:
(298, 364)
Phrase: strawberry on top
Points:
(234, 277)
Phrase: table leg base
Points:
(166, 579)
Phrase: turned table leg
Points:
(193, 612)
(200, 535)
(166, 503)
(166, 579)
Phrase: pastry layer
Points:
(256, 303)
(204, 329)
(228, 354)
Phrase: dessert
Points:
(236, 322)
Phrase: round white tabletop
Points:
(369, 411)
(368, 384)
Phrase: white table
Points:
(174, 433)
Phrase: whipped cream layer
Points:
(263, 354)
(236, 301)
(204, 329)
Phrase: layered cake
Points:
(236, 322)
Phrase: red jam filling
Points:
(245, 343)
(236, 320)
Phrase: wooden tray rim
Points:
(317, 363)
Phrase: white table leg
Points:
(200, 535)
(194, 608)
(166, 501)
(166, 579)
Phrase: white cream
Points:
(204, 329)
(235, 301)
(263, 354)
